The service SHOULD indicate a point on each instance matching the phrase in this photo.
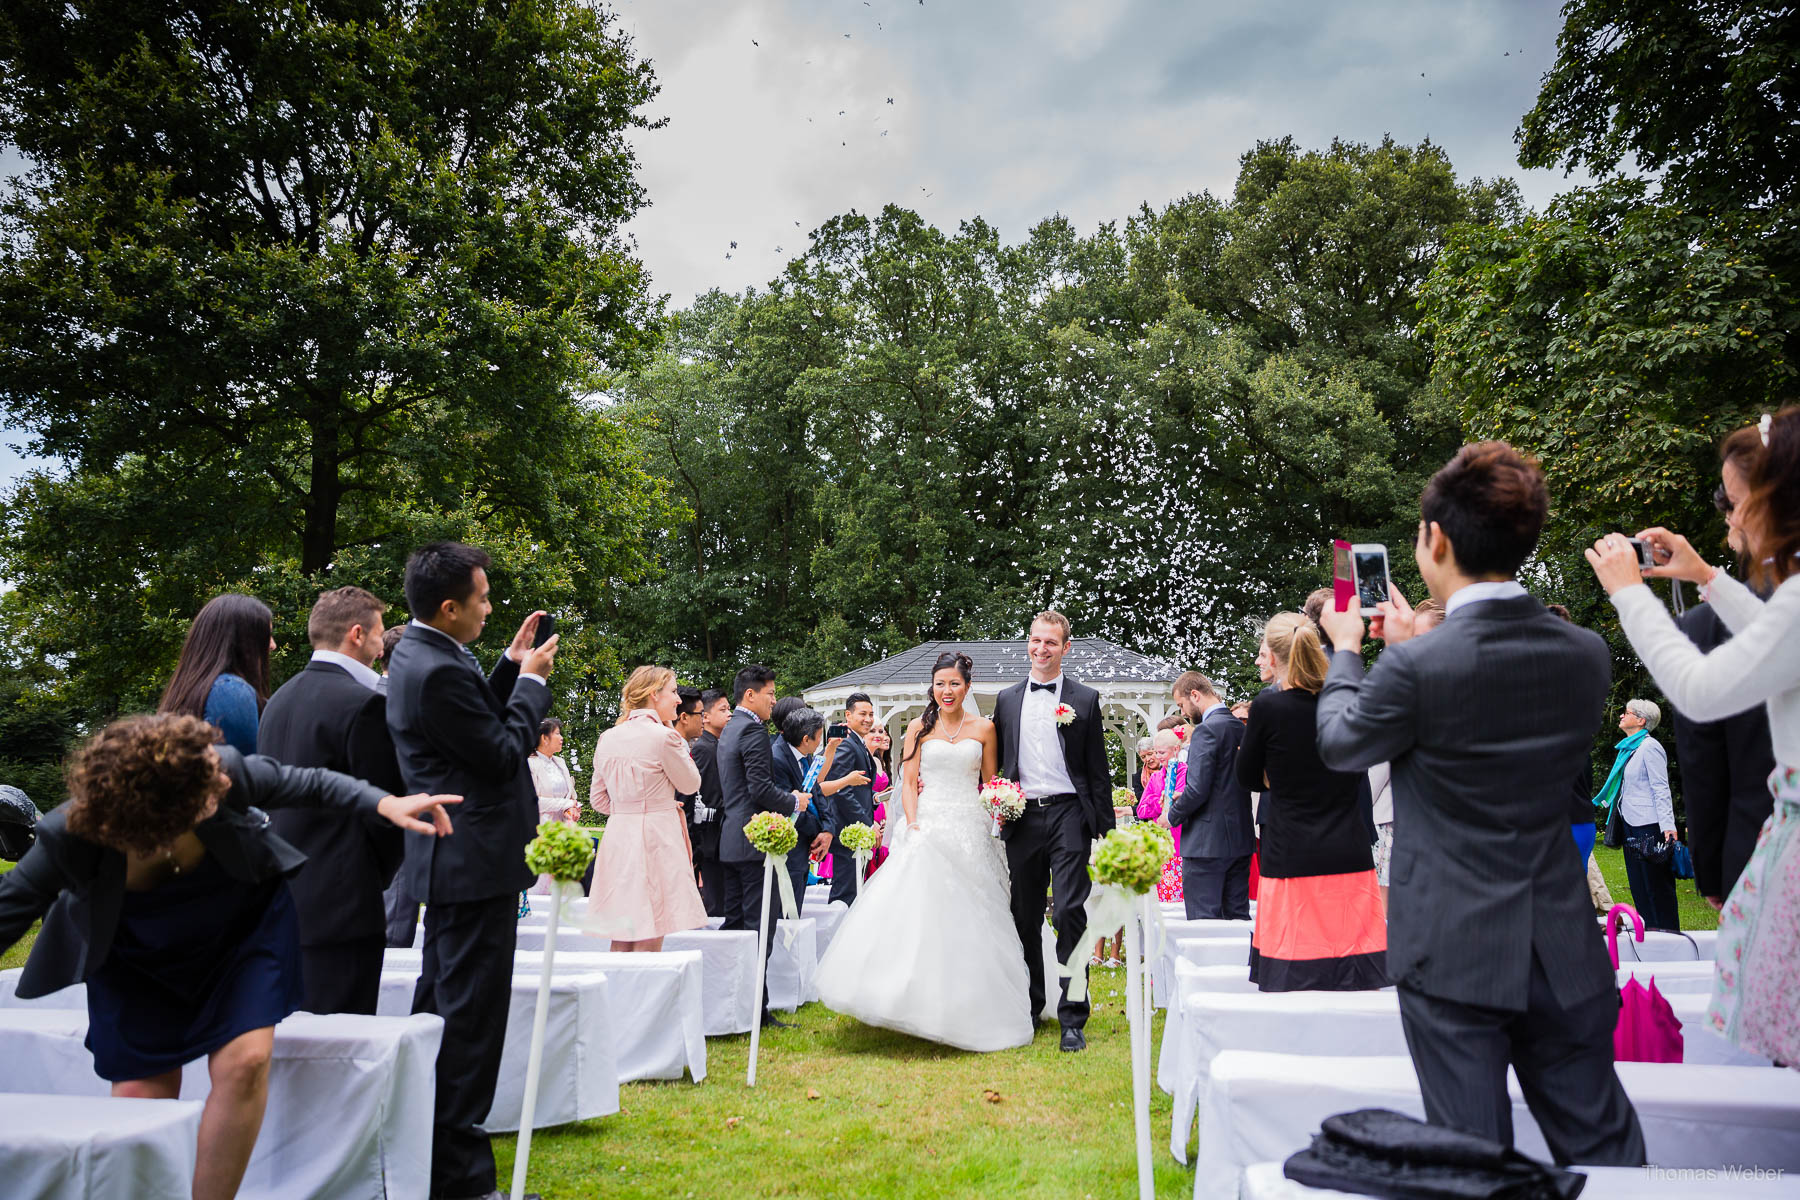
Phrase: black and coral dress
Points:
(1319, 924)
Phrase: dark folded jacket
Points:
(1376, 1152)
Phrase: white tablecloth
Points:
(77, 1148)
(794, 964)
(728, 999)
(656, 1023)
(373, 1075)
(1176, 929)
(1214, 952)
(580, 1074)
(1662, 946)
(1264, 1107)
(1188, 980)
(1694, 978)
(1264, 1181)
(1335, 1023)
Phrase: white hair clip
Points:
(1762, 427)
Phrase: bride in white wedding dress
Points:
(929, 948)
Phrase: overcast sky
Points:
(779, 114)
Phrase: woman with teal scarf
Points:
(1646, 813)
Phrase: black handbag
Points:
(1653, 848)
(1615, 829)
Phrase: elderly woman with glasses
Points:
(1639, 795)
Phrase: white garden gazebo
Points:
(1134, 688)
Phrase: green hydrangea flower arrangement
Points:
(560, 851)
(1124, 798)
(858, 837)
(772, 833)
(1132, 858)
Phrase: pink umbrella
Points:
(1647, 1030)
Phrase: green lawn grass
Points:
(892, 1117)
(1696, 913)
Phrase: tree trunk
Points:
(318, 541)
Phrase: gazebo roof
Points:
(1094, 661)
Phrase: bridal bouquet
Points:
(1004, 800)
(772, 833)
(560, 850)
(858, 838)
(1132, 858)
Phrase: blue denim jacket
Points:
(231, 705)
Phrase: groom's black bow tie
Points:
(1043, 687)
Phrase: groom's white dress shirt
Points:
(1042, 768)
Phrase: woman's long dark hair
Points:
(229, 636)
(965, 666)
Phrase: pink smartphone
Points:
(1343, 575)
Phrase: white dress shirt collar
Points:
(1487, 589)
(360, 672)
(418, 624)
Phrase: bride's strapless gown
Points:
(929, 948)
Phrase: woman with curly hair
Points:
(163, 888)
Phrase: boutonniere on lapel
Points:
(1065, 715)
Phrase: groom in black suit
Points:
(1060, 761)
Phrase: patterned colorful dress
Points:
(1756, 976)
(1173, 779)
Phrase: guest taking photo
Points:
(1757, 974)
(644, 872)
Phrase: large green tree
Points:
(286, 288)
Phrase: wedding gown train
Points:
(929, 947)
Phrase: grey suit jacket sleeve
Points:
(1366, 720)
(1201, 766)
(759, 777)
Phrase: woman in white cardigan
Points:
(1757, 974)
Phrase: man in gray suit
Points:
(1213, 810)
(1491, 938)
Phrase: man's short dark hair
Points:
(441, 571)
(337, 612)
(750, 679)
(856, 698)
(1491, 502)
(801, 723)
(784, 706)
(690, 700)
(710, 697)
(1194, 681)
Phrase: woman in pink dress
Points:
(1170, 752)
(644, 872)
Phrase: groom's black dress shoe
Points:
(1073, 1039)
(771, 1021)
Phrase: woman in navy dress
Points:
(222, 675)
(163, 888)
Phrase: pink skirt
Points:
(643, 880)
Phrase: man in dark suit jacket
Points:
(1213, 810)
(790, 753)
(747, 786)
(1491, 938)
(458, 731)
(332, 715)
(706, 816)
(1725, 767)
(854, 802)
(1061, 764)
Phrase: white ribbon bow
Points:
(784, 887)
(1109, 906)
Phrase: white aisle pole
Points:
(1140, 1099)
(535, 1060)
(762, 967)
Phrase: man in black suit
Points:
(332, 715)
(1491, 938)
(790, 757)
(1213, 810)
(456, 730)
(747, 786)
(854, 803)
(1053, 745)
(706, 817)
(1725, 767)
